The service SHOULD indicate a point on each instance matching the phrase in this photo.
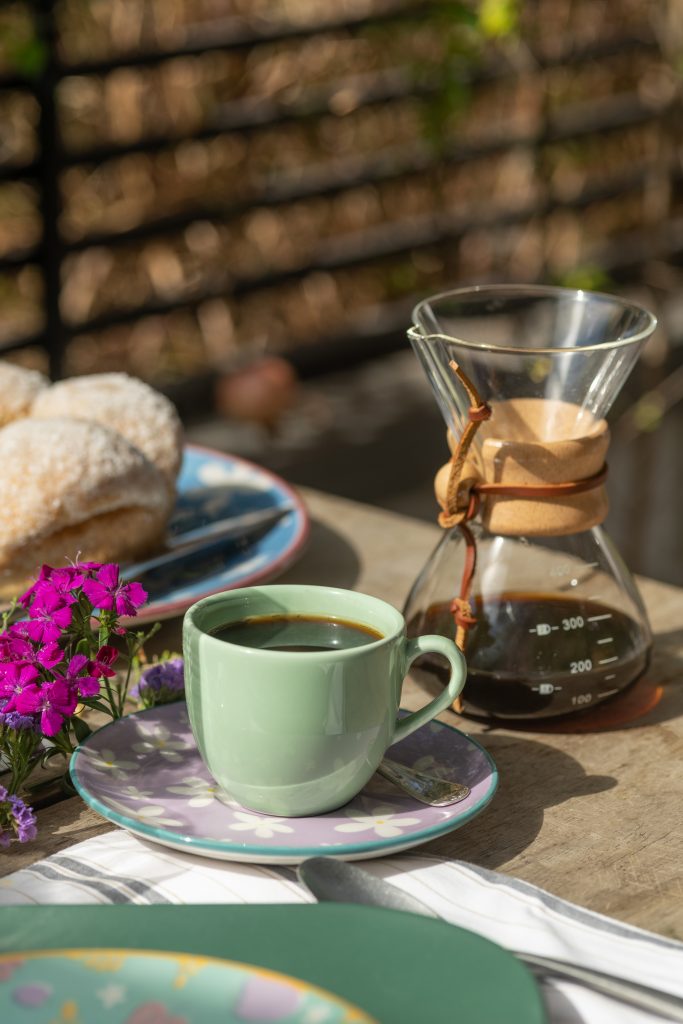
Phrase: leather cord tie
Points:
(462, 500)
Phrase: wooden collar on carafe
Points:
(462, 497)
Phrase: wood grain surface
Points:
(594, 816)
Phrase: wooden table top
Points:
(593, 816)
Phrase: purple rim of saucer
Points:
(144, 772)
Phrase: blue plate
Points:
(213, 486)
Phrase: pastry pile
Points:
(87, 470)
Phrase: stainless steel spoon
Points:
(423, 787)
(338, 881)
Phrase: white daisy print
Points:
(150, 813)
(263, 828)
(111, 995)
(159, 740)
(106, 760)
(317, 1015)
(382, 822)
(201, 792)
(133, 793)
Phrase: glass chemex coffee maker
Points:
(525, 576)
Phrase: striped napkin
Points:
(119, 868)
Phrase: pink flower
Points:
(153, 1013)
(18, 631)
(24, 652)
(16, 678)
(104, 659)
(108, 594)
(63, 582)
(49, 617)
(27, 596)
(54, 701)
(8, 968)
(56, 581)
(86, 684)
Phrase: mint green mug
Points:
(299, 732)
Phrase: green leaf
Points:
(52, 752)
(97, 705)
(81, 729)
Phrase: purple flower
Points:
(78, 677)
(160, 684)
(54, 701)
(14, 681)
(13, 720)
(49, 618)
(108, 594)
(20, 723)
(17, 819)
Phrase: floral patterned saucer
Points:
(121, 986)
(144, 773)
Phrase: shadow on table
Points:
(666, 672)
(532, 776)
(328, 560)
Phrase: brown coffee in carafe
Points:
(589, 652)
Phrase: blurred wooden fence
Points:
(183, 181)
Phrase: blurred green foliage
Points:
(498, 18)
(23, 52)
(587, 278)
(465, 32)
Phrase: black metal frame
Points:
(250, 116)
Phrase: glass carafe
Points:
(554, 622)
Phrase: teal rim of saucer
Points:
(266, 853)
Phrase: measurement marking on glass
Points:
(606, 640)
(599, 618)
(607, 693)
(606, 661)
(612, 676)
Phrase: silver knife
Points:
(339, 881)
(194, 542)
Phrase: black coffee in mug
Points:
(296, 633)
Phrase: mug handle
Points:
(432, 644)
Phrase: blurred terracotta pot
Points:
(259, 392)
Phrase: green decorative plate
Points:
(125, 986)
(398, 968)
